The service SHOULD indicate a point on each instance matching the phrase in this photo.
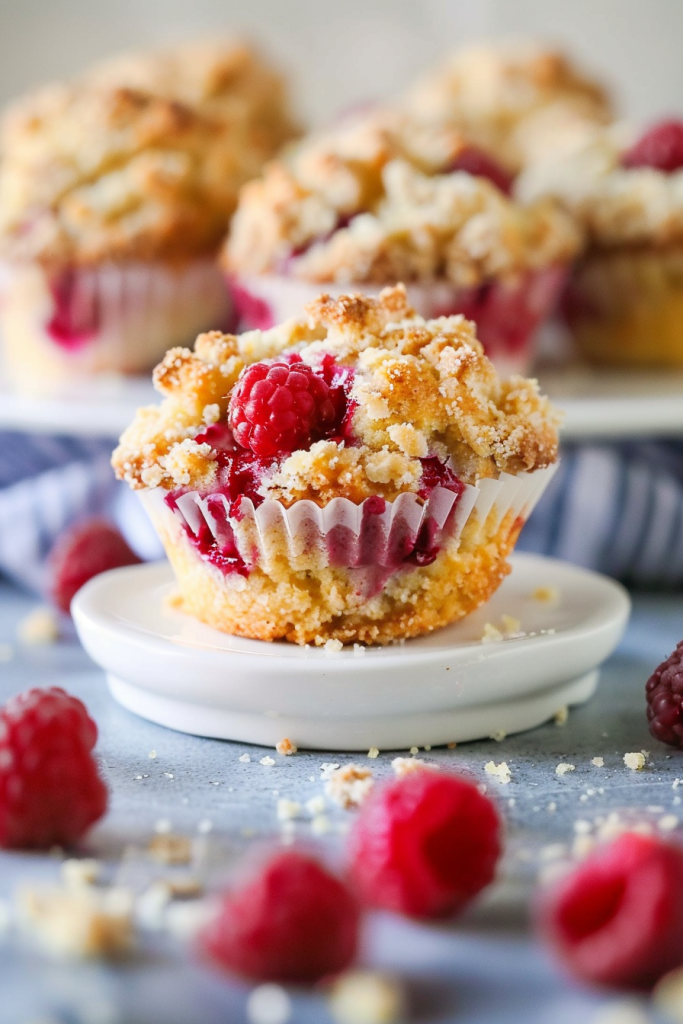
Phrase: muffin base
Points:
(625, 308)
(364, 606)
(109, 318)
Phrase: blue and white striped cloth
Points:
(617, 508)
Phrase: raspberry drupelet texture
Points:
(81, 552)
(290, 922)
(50, 788)
(425, 845)
(661, 147)
(280, 407)
(664, 693)
(618, 918)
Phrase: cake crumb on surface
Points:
(316, 805)
(547, 595)
(598, 762)
(333, 646)
(285, 747)
(167, 848)
(76, 873)
(85, 922)
(244, 758)
(501, 771)
(636, 760)
(564, 767)
(668, 823)
(373, 752)
(350, 785)
(268, 761)
(491, 634)
(287, 810)
(39, 628)
(498, 736)
(405, 765)
(320, 825)
(367, 997)
(561, 715)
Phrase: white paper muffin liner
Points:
(125, 316)
(270, 299)
(344, 533)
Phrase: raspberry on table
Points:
(425, 844)
(664, 695)
(661, 147)
(277, 408)
(290, 921)
(617, 919)
(81, 552)
(482, 165)
(50, 789)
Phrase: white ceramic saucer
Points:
(448, 686)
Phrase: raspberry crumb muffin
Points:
(381, 199)
(624, 303)
(355, 474)
(115, 191)
(517, 100)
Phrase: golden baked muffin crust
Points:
(139, 159)
(375, 201)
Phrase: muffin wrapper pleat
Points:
(347, 534)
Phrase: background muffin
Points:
(115, 191)
(382, 199)
(625, 300)
(516, 100)
(364, 479)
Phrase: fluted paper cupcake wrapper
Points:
(347, 534)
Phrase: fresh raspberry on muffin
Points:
(661, 147)
(321, 480)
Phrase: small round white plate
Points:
(444, 687)
(100, 407)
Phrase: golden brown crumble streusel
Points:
(140, 158)
(421, 386)
(515, 99)
(374, 201)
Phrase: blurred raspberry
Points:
(661, 148)
(664, 694)
(81, 552)
(475, 161)
(50, 788)
(425, 844)
(277, 408)
(290, 921)
(618, 918)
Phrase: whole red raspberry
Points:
(81, 552)
(277, 408)
(290, 921)
(425, 844)
(50, 789)
(475, 161)
(661, 147)
(618, 918)
(664, 694)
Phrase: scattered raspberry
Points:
(291, 921)
(475, 161)
(50, 789)
(276, 408)
(661, 147)
(425, 844)
(618, 918)
(664, 694)
(84, 551)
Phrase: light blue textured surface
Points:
(486, 968)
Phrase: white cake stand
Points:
(448, 686)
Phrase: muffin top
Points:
(382, 198)
(392, 401)
(625, 189)
(139, 158)
(515, 99)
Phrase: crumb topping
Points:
(350, 785)
(615, 205)
(418, 386)
(376, 201)
(506, 97)
(140, 157)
